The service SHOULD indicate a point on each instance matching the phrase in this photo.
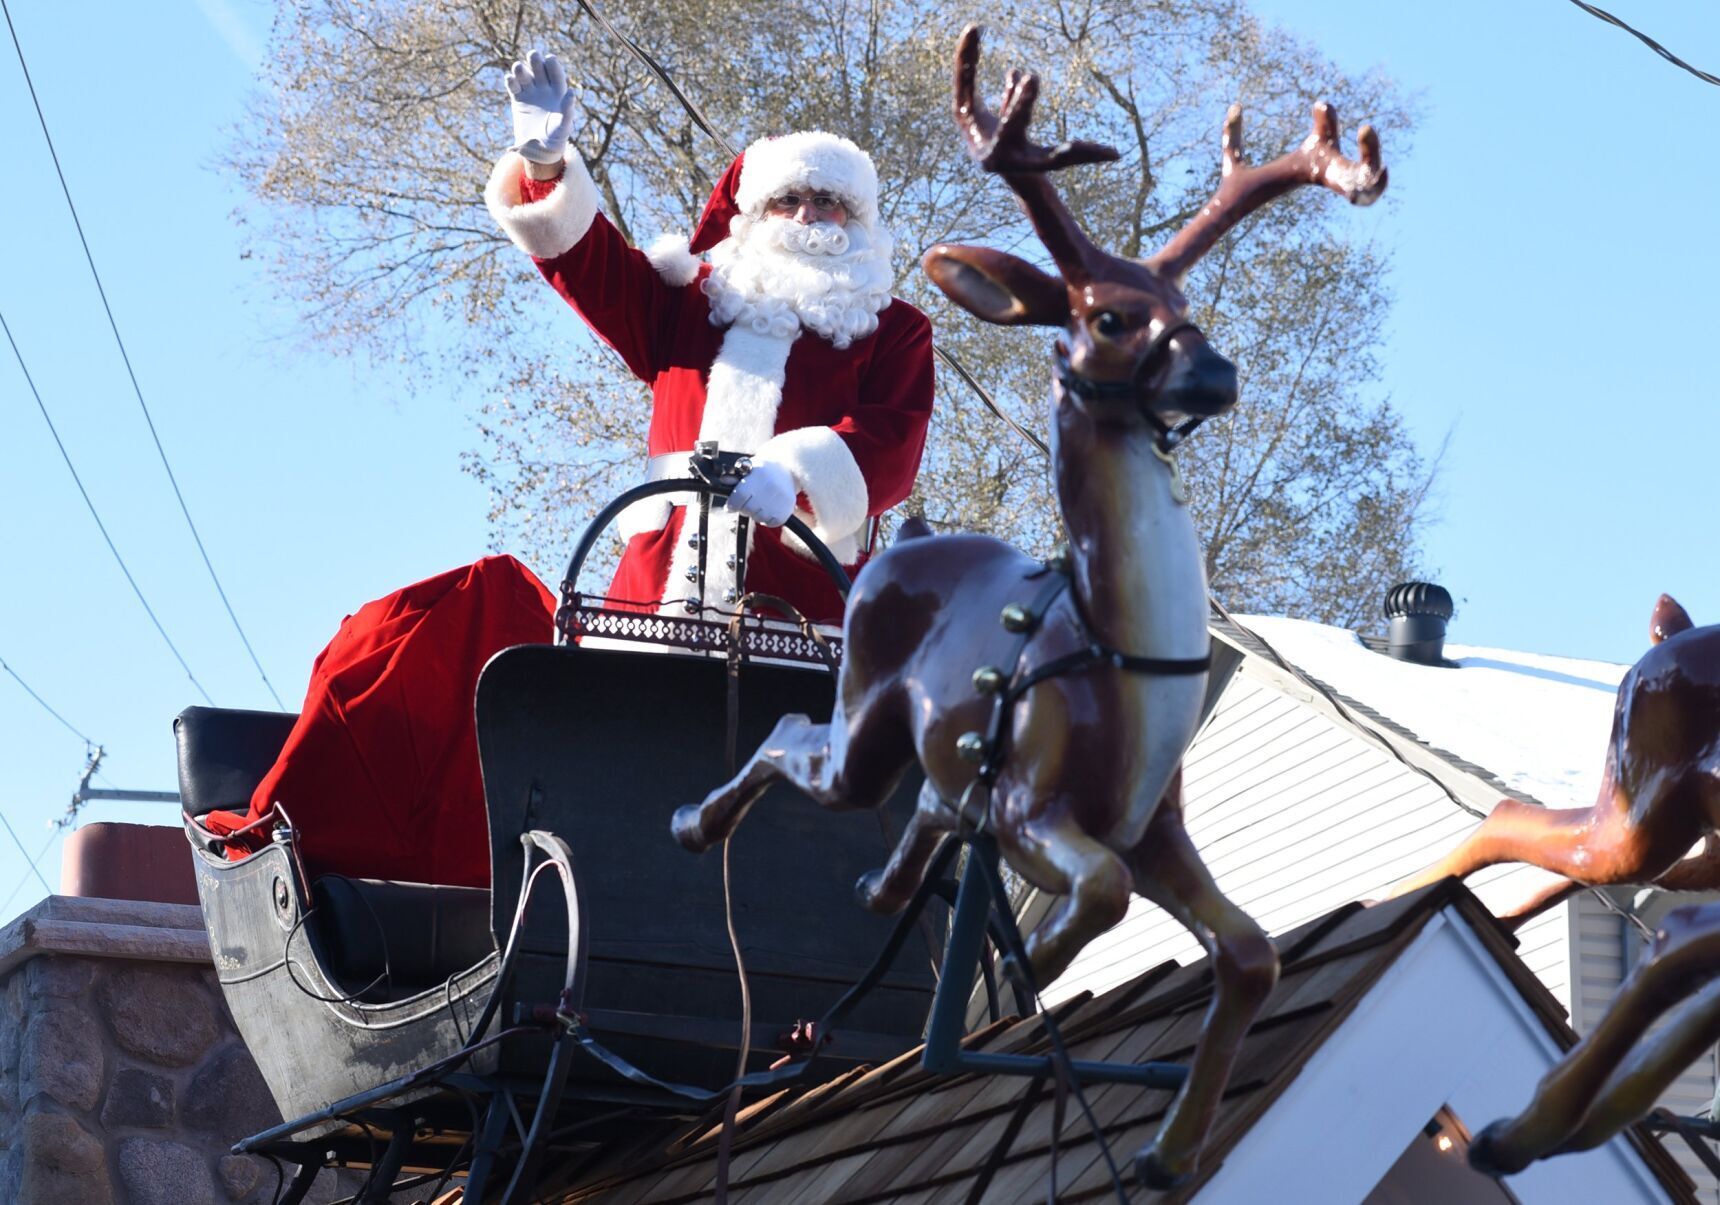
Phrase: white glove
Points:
(542, 106)
(766, 495)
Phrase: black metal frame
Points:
(980, 903)
(390, 1105)
(712, 475)
(981, 908)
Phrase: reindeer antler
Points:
(1243, 189)
(999, 143)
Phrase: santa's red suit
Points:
(380, 775)
(847, 422)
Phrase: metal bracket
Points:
(944, 1052)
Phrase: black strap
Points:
(1094, 654)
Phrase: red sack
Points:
(380, 774)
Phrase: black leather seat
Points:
(402, 937)
(224, 753)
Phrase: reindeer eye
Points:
(1108, 323)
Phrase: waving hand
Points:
(542, 106)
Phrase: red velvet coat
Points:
(850, 425)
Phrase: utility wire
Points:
(44, 703)
(1603, 15)
(37, 861)
(64, 455)
(126, 357)
(26, 854)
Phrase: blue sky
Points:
(1554, 260)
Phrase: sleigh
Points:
(425, 1030)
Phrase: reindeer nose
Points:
(1202, 384)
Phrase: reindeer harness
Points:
(990, 749)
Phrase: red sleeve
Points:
(614, 287)
(886, 432)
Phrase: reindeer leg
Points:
(1169, 872)
(1610, 842)
(889, 889)
(1680, 963)
(1653, 1065)
(795, 738)
(1056, 855)
(1699, 872)
(851, 762)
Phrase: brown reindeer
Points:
(1660, 788)
(1660, 794)
(1100, 663)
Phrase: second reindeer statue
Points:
(1053, 703)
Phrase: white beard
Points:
(773, 276)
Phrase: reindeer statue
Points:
(1613, 1077)
(1067, 740)
(1659, 795)
(1660, 788)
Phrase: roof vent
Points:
(1417, 612)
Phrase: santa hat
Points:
(767, 168)
(771, 166)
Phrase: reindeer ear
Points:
(1668, 619)
(998, 287)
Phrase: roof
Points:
(897, 1133)
(1537, 724)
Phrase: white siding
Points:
(1297, 814)
(1544, 945)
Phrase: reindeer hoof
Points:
(866, 889)
(1486, 1157)
(687, 829)
(869, 890)
(1155, 1173)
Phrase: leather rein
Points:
(1130, 390)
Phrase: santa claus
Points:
(786, 345)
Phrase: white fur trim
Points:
(673, 261)
(810, 159)
(741, 401)
(652, 514)
(647, 514)
(827, 473)
(547, 228)
(745, 389)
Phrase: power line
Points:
(26, 853)
(44, 703)
(126, 357)
(64, 455)
(37, 861)
(1663, 52)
